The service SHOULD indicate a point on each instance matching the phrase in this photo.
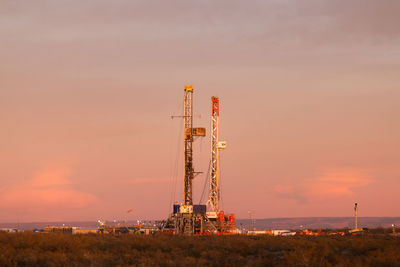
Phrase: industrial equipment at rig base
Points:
(189, 219)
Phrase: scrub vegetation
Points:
(54, 249)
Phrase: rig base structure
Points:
(194, 220)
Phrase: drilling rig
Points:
(187, 218)
(216, 216)
(216, 145)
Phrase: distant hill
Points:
(319, 222)
(41, 225)
(270, 223)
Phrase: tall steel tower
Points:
(216, 145)
(188, 122)
(189, 133)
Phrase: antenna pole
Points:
(355, 216)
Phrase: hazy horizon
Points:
(309, 95)
(163, 218)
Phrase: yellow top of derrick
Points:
(188, 87)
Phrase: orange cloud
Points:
(48, 189)
(337, 182)
(333, 183)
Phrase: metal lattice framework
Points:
(188, 123)
(216, 145)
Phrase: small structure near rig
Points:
(356, 230)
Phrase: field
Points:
(39, 249)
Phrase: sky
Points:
(309, 105)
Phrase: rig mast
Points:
(188, 118)
(216, 145)
(188, 220)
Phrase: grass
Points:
(39, 249)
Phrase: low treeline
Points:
(54, 249)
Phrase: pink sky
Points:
(309, 97)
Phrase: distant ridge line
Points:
(260, 223)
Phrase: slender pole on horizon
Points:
(355, 216)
